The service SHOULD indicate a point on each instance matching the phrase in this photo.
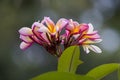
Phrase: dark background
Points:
(16, 64)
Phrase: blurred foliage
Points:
(14, 14)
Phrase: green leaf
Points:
(61, 76)
(103, 70)
(119, 73)
(69, 60)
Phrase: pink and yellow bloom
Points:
(81, 34)
(48, 34)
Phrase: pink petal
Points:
(26, 31)
(76, 23)
(70, 25)
(36, 24)
(83, 28)
(24, 45)
(37, 40)
(82, 41)
(26, 39)
(67, 33)
(61, 23)
(94, 32)
(49, 22)
(43, 29)
(92, 36)
(91, 41)
(76, 36)
(37, 33)
(95, 36)
(43, 35)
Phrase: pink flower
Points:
(81, 34)
(25, 36)
(46, 33)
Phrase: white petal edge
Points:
(95, 48)
(36, 24)
(26, 38)
(91, 28)
(86, 49)
(24, 45)
(26, 31)
(98, 40)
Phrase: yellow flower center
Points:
(52, 28)
(75, 30)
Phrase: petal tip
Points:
(24, 45)
(25, 31)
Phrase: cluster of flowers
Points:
(53, 37)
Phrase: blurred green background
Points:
(16, 64)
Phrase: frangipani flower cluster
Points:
(64, 33)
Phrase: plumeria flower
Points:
(46, 33)
(52, 32)
(81, 34)
(51, 29)
(28, 36)
(25, 34)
